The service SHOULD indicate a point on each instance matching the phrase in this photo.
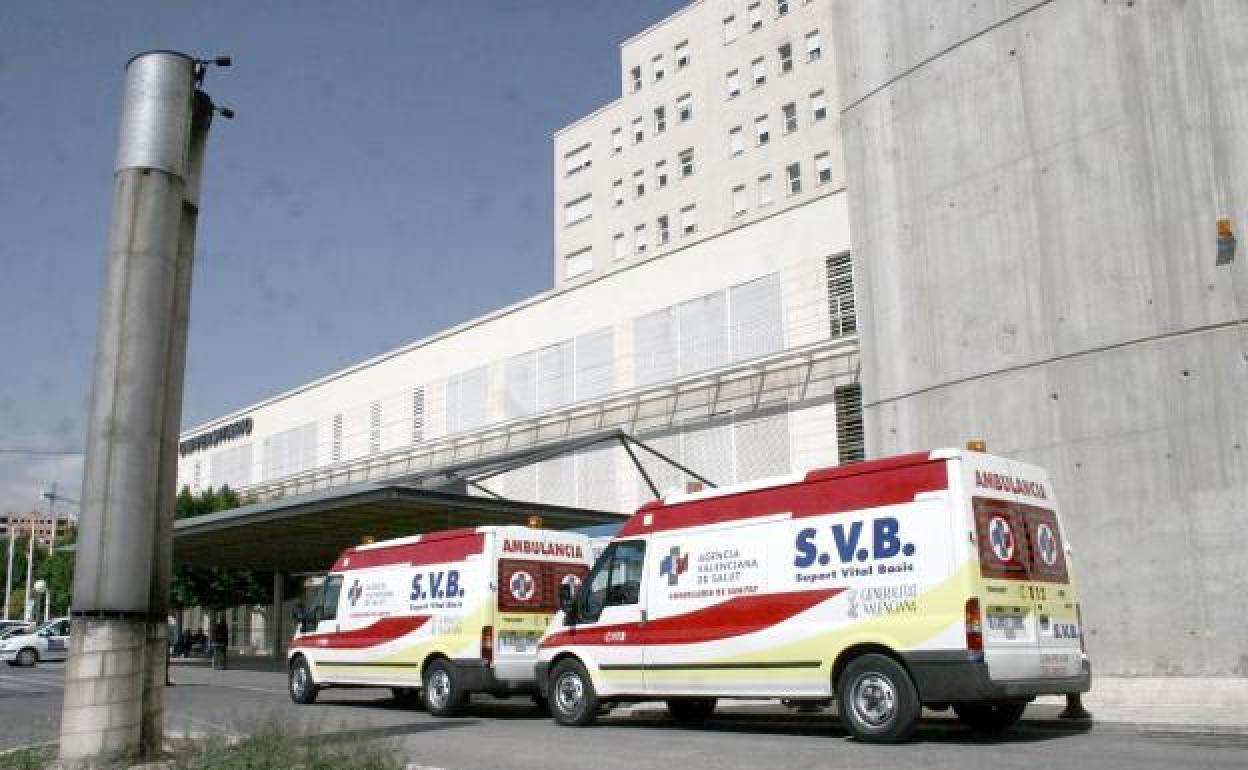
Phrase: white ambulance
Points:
(439, 616)
(933, 579)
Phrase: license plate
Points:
(519, 642)
(1007, 623)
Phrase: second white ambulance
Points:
(931, 579)
(439, 616)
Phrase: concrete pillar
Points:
(113, 617)
(277, 620)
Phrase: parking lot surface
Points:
(513, 734)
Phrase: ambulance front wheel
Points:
(303, 689)
(444, 694)
(573, 701)
(877, 699)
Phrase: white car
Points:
(50, 642)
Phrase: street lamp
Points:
(41, 589)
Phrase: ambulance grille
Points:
(849, 442)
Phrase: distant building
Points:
(20, 525)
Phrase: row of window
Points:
(789, 123)
(684, 167)
(580, 159)
(792, 181)
(754, 17)
(758, 67)
(680, 54)
(688, 224)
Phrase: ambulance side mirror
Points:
(567, 601)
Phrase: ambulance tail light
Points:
(1079, 619)
(974, 630)
(487, 645)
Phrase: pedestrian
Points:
(220, 641)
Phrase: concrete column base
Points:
(103, 710)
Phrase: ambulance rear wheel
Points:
(989, 716)
(877, 699)
(444, 696)
(573, 701)
(302, 687)
(691, 711)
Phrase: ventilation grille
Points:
(841, 310)
(849, 443)
(418, 414)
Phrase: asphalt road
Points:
(512, 734)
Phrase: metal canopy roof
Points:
(305, 533)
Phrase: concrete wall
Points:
(1033, 195)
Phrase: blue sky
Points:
(388, 175)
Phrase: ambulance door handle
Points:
(643, 617)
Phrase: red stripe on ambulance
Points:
(384, 630)
(441, 548)
(735, 617)
(850, 487)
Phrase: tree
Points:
(215, 587)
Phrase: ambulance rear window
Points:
(1019, 542)
(533, 586)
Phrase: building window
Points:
(682, 54)
(732, 84)
(841, 311)
(639, 240)
(786, 58)
(730, 29)
(638, 132)
(660, 120)
(850, 447)
(790, 117)
(684, 107)
(578, 210)
(755, 13)
(657, 64)
(639, 183)
(577, 160)
(738, 200)
(765, 194)
(761, 132)
(736, 143)
(782, 7)
(635, 72)
(617, 192)
(686, 162)
(617, 141)
(818, 107)
(619, 250)
(578, 263)
(660, 174)
(661, 230)
(688, 221)
(823, 168)
(758, 70)
(794, 173)
(813, 47)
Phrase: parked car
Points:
(50, 642)
(14, 628)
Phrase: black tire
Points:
(691, 711)
(573, 702)
(29, 656)
(407, 697)
(302, 687)
(877, 700)
(989, 716)
(443, 693)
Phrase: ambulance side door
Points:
(611, 616)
